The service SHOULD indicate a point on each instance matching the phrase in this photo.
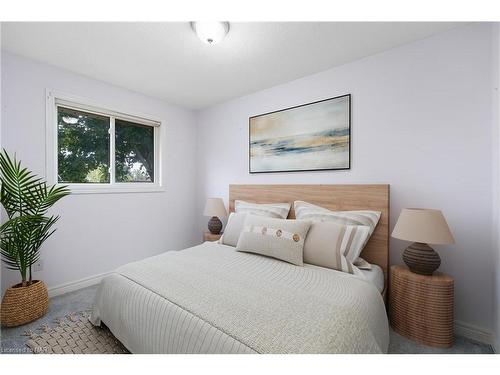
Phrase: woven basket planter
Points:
(21, 305)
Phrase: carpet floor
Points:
(13, 340)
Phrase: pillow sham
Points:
(276, 210)
(234, 227)
(333, 245)
(309, 211)
(362, 264)
(278, 238)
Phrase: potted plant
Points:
(26, 199)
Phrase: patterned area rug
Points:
(74, 334)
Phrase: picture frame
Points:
(314, 136)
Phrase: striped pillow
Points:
(308, 211)
(335, 246)
(278, 238)
(276, 210)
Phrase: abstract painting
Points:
(309, 137)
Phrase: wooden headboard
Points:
(332, 197)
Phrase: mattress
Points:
(213, 299)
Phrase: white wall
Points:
(98, 232)
(421, 121)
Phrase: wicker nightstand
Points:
(207, 236)
(421, 307)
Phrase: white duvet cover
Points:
(213, 299)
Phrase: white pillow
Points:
(333, 245)
(278, 238)
(308, 211)
(276, 210)
(234, 227)
(235, 224)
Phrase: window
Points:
(99, 150)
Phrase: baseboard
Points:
(75, 285)
(474, 333)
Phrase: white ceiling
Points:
(167, 61)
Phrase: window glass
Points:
(134, 152)
(83, 147)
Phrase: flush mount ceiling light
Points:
(210, 32)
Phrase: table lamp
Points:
(215, 208)
(423, 227)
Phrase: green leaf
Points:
(26, 198)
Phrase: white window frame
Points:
(55, 99)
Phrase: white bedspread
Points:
(375, 276)
(210, 298)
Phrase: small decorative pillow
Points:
(362, 264)
(234, 227)
(278, 238)
(308, 211)
(333, 245)
(276, 210)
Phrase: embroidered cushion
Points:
(278, 238)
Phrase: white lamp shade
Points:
(423, 225)
(215, 207)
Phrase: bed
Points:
(213, 299)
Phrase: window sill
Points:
(114, 189)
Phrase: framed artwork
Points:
(309, 137)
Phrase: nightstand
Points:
(207, 236)
(421, 307)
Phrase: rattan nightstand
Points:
(421, 307)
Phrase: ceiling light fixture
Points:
(210, 32)
(70, 120)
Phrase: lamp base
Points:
(214, 225)
(421, 258)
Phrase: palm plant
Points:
(26, 199)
